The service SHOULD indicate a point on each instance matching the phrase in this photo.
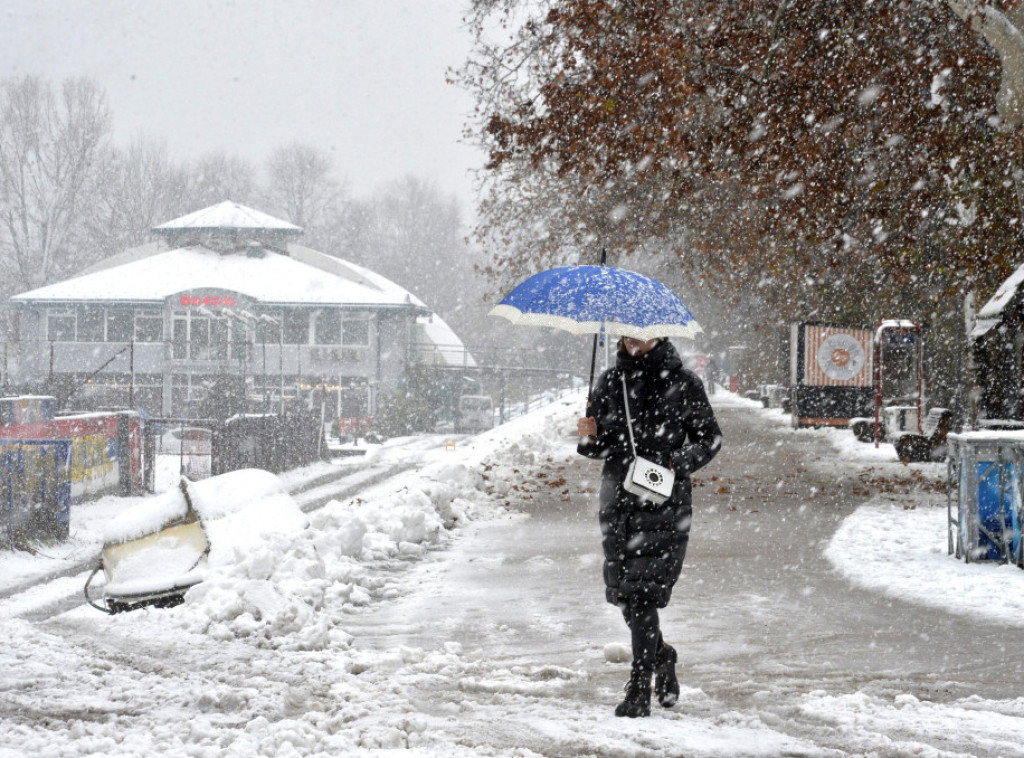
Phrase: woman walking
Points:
(649, 406)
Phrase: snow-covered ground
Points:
(310, 641)
(897, 544)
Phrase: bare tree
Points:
(412, 233)
(301, 185)
(142, 187)
(217, 176)
(50, 143)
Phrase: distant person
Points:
(711, 372)
(645, 544)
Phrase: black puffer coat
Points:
(674, 426)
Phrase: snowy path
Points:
(514, 659)
(779, 654)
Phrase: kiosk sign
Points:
(215, 301)
(830, 374)
(841, 357)
(837, 357)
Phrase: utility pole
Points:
(131, 380)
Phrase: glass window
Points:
(119, 325)
(60, 326)
(327, 328)
(181, 397)
(296, 328)
(179, 349)
(269, 333)
(149, 326)
(90, 324)
(239, 340)
(218, 347)
(199, 338)
(355, 332)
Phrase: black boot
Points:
(638, 696)
(666, 686)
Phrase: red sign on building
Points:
(215, 301)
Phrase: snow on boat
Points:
(155, 551)
(152, 553)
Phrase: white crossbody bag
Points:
(645, 479)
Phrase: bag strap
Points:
(629, 421)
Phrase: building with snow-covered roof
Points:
(996, 342)
(437, 345)
(222, 292)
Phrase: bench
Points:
(931, 443)
(863, 428)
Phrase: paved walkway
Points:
(760, 618)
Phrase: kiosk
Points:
(830, 373)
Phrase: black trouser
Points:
(645, 631)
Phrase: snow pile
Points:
(240, 509)
(149, 516)
(284, 585)
(272, 595)
(901, 551)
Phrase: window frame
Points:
(66, 314)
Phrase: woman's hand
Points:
(587, 427)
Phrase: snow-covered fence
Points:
(512, 410)
(274, 443)
(208, 447)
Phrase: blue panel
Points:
(989, 496)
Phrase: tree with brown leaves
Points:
(808, 159)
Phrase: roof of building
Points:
(273, 274)
(285, 274)
(998, 302)
(272, 278)
(227, 216)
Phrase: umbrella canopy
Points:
(587, 299)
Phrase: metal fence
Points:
(534, 402)
(272, 442)
(187, 442)
(200, 448)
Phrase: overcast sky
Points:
(364, 79)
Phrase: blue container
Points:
(1016, 517)
(996, 511)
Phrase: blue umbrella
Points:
(592, 299)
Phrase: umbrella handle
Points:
(593, 355)
(593, 363)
